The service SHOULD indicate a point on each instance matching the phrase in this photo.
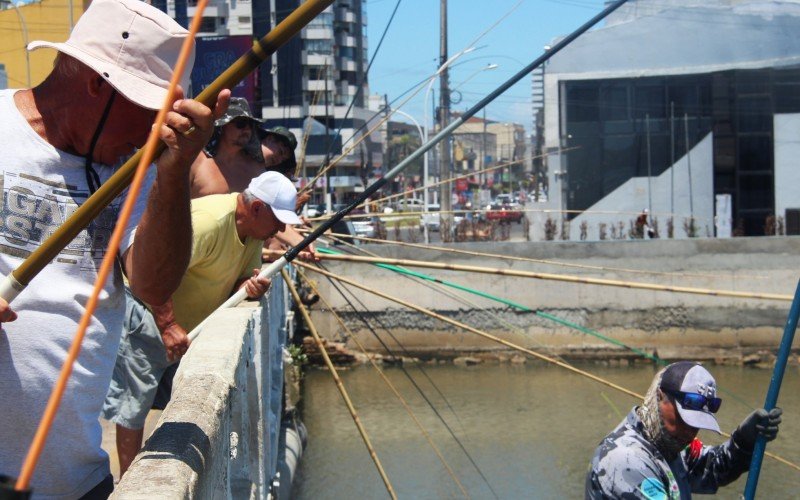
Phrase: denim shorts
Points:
(141, 361)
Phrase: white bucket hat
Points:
(131, 44)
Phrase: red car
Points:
(505, 213)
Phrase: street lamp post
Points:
(425, 139)
(425, 173)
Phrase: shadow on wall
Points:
(184, 441)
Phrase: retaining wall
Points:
(673, 324)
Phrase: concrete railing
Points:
(218, 437)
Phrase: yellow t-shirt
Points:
(219, 259)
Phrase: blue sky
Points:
(411, 48)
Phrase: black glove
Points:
(758, 423)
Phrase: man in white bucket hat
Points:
(60, 141)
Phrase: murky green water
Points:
(531, 429)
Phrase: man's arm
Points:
(176, 341)
(157, 260)
(716, 466)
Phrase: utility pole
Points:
(444, 117)
(672, 158)
(483, 152)
(649, 168)
(328, 188)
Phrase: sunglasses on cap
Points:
(695, 401)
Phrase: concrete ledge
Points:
(187, 456)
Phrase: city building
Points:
(689, 109)
(315, 85)
(50, 20)
(480, 143)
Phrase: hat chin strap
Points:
(92, 177)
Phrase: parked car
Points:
(365, 227)
(504, 199)
(507, 212)
(431, 219)
(409, 205)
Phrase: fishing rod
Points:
(17, 280)
(530, 259)
(784, 352)
(293, 252)
(561, 277)
(388, 383)
(414, 382)
(339, 385)
(506, 343)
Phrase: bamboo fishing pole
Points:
(504, 342)
(528, 259)
(293, 252)
(17, 280)
(559, 277)
(338, 381)
(388, 383)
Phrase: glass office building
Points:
(635, 127)
(627, 102)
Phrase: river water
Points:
(531, 429)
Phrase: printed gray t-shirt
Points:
(40, 187)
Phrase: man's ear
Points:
(95, 85)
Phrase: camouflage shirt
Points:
(628, 465)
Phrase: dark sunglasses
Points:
(694, 401)
(241, 124)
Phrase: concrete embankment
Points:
(673, 325)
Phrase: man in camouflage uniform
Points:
(653, 453)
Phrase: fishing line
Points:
(339, 385)
(386, 380)
(494, 338)
(413, 382)
(439, 284)
(637, 285)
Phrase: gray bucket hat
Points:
(288, 138)
(237, 107)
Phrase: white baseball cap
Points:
(131, 44)
(279, 193)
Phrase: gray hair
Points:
(249, 197)
(66, 66)
(650, 415)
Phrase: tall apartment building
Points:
(310, 83)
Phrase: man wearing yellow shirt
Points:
(228, 234)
